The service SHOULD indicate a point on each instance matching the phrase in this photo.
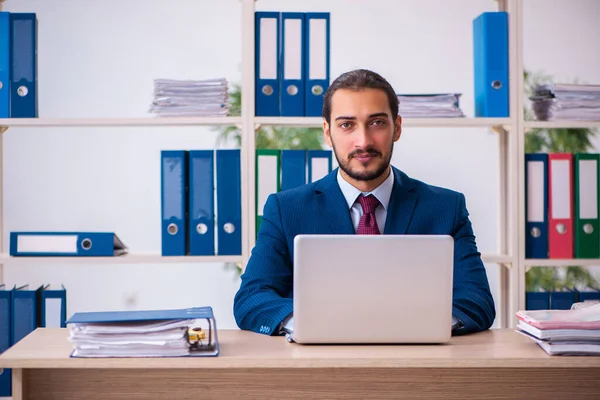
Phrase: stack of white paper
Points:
(190, 97)
(131, 339)
(566, 102)
(429, 106)
(573, 332)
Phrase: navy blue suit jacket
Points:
(264, 299)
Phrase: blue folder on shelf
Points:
(23, 99)
(52, 306)
(490, 55)
(4, 71)
(536, 205)
(123, 324)
(267, 64)
(229, 202)
(316, 61)
(174, 202)
(201, 226)
(24, 311)
(319, 164)
(292, 65)
(293, 168)
(64, 244)
(5, 338)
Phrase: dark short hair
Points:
(356, 80)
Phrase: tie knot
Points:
(369, 203)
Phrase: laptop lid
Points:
(373, 288)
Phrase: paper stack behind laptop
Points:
(569, 332)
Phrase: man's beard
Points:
(365, 175)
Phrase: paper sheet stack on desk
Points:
(160, 333)
(429, 105)
(174, 98)
(563, 332)
(566, 102)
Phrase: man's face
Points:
(362, 133)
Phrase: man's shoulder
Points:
(297, 194)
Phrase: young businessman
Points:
(365, 195)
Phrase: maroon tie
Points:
(368, 224)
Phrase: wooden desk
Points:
(493, 364)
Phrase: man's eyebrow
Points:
(376, 115)
(345, 117)
(381, 114)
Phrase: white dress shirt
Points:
(382, 192)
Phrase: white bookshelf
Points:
(93, 122)
(317, 122)
(580, 262)
(561, 124)
(134, 258)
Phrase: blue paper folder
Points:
(490, 47)
(82, 244)
(23, 99)
(174, 202)
(202, 207)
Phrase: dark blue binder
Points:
(174, 202)
(23, 99)
(52, 306)
(589, 295)
(562, 300)
(267, 63)
(536, 206)
(537, 301)
(292, 64)
(201, 227)
(319, 164)
(293, 168)
(5, 338)
(4, 67)
(24, 311)
(66, 244)
(229, 202)
(316, 64)
(193, 314)
(490, 56)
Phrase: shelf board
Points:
(142, 258)
(496, 259)
(317, 122)
(562, 124)
(584, 262)
(142, 121)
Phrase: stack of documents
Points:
(190, 98)
(429, 105)
(160, 333)
(568, 332)
(566, 102)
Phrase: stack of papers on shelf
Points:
(159, 333)
(563, 332)
(444, 105)
(566, 102)
(190, 98)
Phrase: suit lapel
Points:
(333, 206)
(402, 204)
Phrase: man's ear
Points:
(398, 128)
(327, 133)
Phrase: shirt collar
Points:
(383, 192)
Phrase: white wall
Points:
(98, 59)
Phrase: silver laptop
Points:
(373, 288)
